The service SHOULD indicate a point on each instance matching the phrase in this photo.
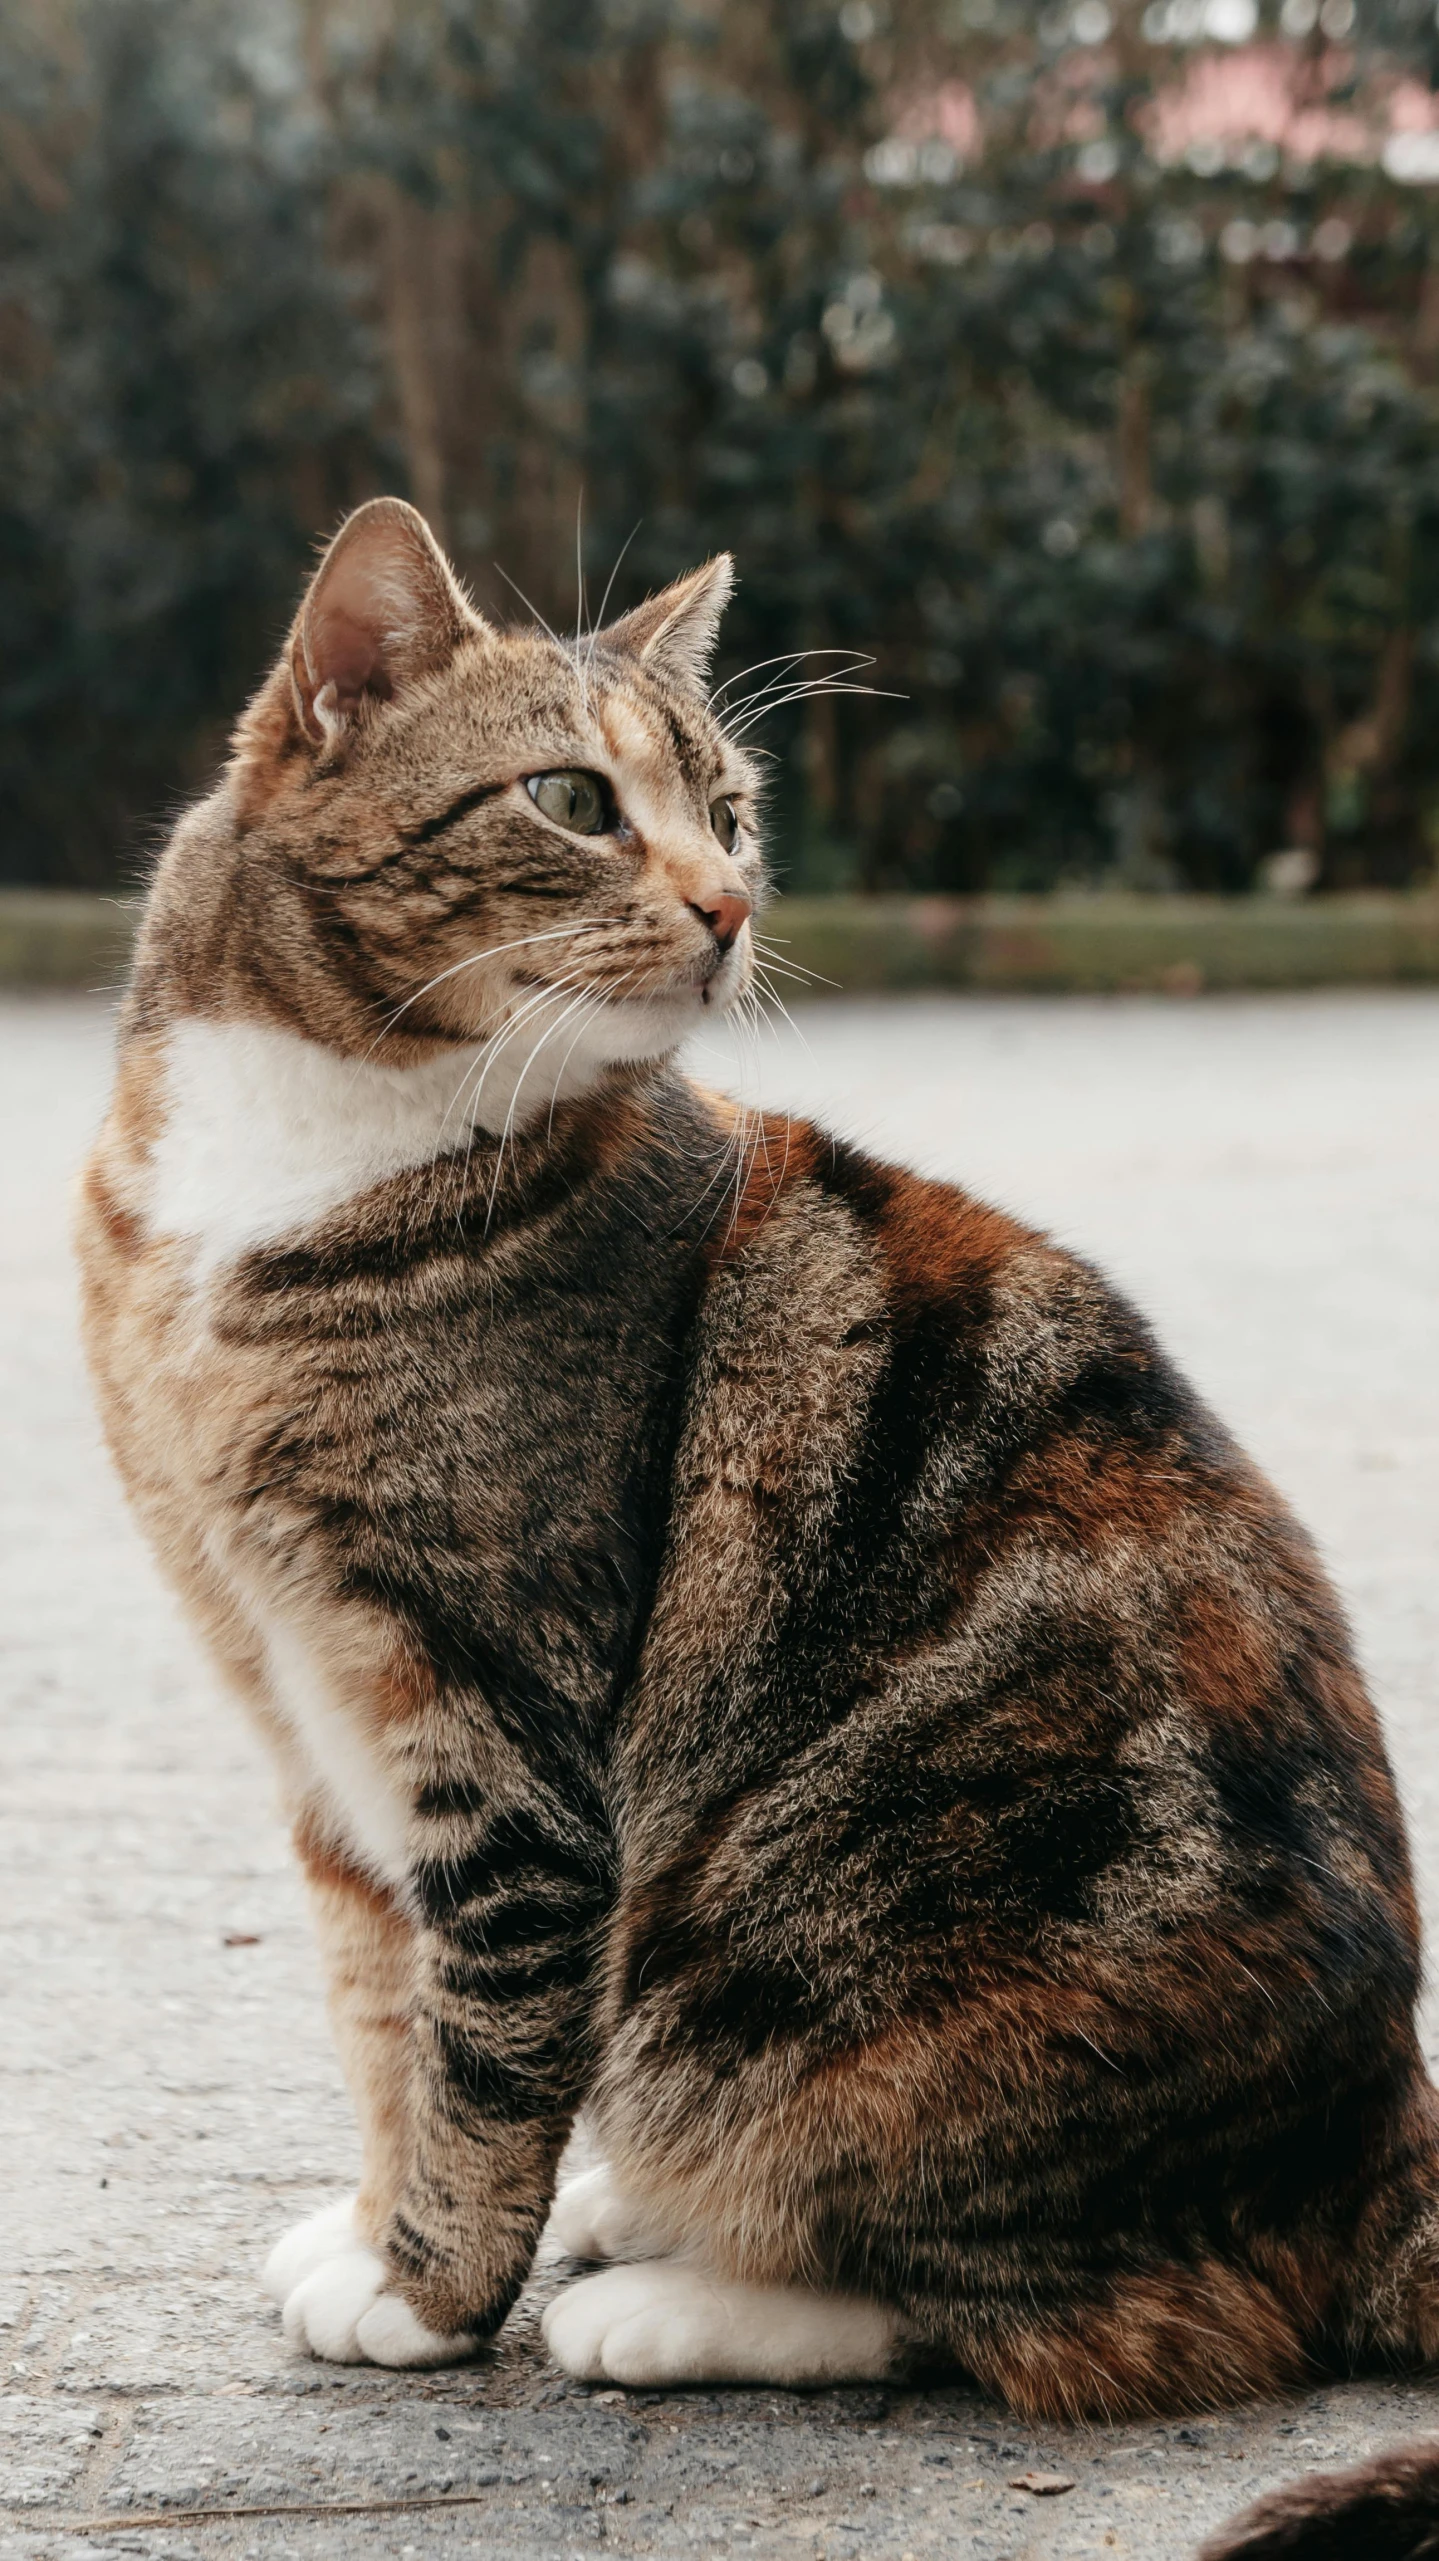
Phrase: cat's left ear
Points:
(675, 631)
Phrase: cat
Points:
(758, 1646)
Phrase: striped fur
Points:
(851, 1719)
(1384, 2510)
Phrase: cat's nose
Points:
(724, 913)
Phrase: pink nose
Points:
(724, 914)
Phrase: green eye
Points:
(575, 800)
(725, 823)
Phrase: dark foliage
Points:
(1103, 420)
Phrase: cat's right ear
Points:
(383, 608)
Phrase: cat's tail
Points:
(1383, 2510)
(1388, 2508)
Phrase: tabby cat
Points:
(758, 1646)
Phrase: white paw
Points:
(591, 2219)
(669, 2323)
(324, 2311)
(391, 2334)
(342, 2312)
(307, 2245)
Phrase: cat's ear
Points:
(383, 608)
(675, 631)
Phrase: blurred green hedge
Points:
(1109, 942)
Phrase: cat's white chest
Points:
(263, 1133)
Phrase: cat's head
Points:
(436, 828)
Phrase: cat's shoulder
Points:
(939, 1249)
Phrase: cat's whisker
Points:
(774, 997)
(720, 1172)
(596, 1005)
(498, 1041)
(472, 1110)
(776, 956)
(533, 607)
(599, 624)
(575, 994)
(802, 978)
(744, 1146)
(744, 715)
(482, 1066)
(785, 658)
(505, 1133)
(581, 663)
(599, 997)
(832, 680)
(812, 693)
(763, 1022)
(854, 664)
(738, 1146)
(491, 951)
(760, 1143)
(788, 674)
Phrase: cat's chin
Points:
(652, 1026)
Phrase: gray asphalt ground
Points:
(1263, 1176)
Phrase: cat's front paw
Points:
(326, 2235)
(345, 2311)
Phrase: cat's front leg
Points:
(501, 2048)
(369, 1949)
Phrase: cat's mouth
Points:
(718, 977)
(720, 988)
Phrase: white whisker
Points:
(491, 951)
(787, 658)
(581, 665)
(787, 678)
(494, 1048)
(499, 1041)
(534, 609)
(775, 957)
(596, 1004)
(547, 1034)
(599, 998)
(598, 626)
(812, 693)
(787, 969)
(775, 998)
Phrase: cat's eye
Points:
(573, 799)
(725, 822)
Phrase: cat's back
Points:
(966, 1512)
